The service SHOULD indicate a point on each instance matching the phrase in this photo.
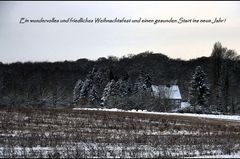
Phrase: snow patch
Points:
(211, 116)
(184, 105)
(236, 155)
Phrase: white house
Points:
(171, 93)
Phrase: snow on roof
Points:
(165, 91)
(185, 104)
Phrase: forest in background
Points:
(52, 84)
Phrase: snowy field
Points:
(211, 116)
(235, 155)
(93, 133)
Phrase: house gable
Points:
(167, 92)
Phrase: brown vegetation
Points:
(84, 133)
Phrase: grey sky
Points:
(58, 42)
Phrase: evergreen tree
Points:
(199, 90)
(148, 81)
(84, 93)
(93, 96)
(111, 76)
(90, 91)
(109, 93)
(139, 85)
(100, 79)
(122, 88)
(143, 84)
(77, 91)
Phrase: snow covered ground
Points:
(222, 117)
(38, 133)
(236, 155)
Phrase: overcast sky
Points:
(59, 42)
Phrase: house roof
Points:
(165, 91)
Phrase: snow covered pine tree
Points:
(199, 91)
(76, 91)
(108, 93)
(88, 93)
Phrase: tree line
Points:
(112, 79)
